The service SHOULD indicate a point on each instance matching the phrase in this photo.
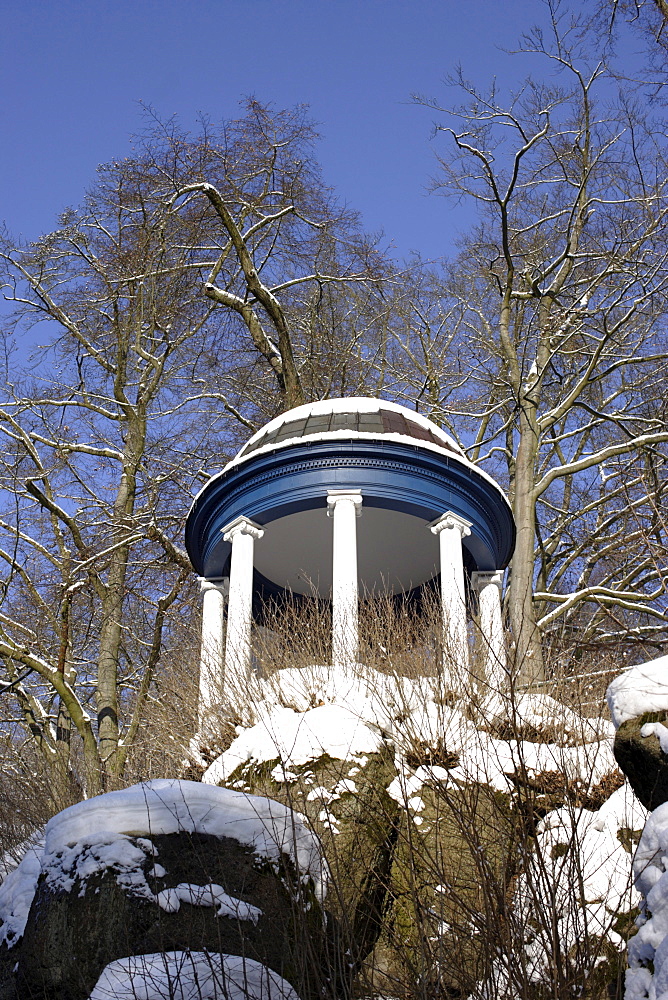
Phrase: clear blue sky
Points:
(72, 75)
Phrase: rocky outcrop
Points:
(642, 760)
(357, 823)
(402, 863)
(452, 856)
(427, 819)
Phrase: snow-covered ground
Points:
(358, 710)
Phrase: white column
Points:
(242, 533)
(211, 651)
(492, 639)
(344, 506)
(451, 529)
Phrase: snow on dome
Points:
(643, 688)
(348, 417)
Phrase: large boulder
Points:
(356, 822)
(451, 857)
(215, 895)
(192, 869)
(638, 752)
(638, 703)
(7, 974)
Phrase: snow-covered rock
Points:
(583, 861)
(358, 710)
(171, 806)
(92, 836)
(168, 865)
(296, 738)
(643, 688)
(647, 976)
(376, 759)
(635, 699)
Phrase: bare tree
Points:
(650, 19)
(556, 306)
(277, 244)
(144, 386)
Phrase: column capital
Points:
(223, 586)
(242, 526)
(451, 520)
(350, 496)
(483, 578)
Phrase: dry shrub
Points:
(160, 748)
(474, 901)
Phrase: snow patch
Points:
(643, 688)
(647, 975)
(16, 895)
(543, 712)
(582, 861)
(656, 729)
(196, 975)
(296, 738)
(207, 895)
(358, 709)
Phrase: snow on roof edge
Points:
(349, 435)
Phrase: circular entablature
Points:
(404, 486)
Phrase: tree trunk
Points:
(112, 607)
(529, 656)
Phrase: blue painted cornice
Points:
(400, 476)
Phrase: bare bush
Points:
(468, 852)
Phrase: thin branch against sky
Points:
(73, 76)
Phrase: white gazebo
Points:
(340, 497)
